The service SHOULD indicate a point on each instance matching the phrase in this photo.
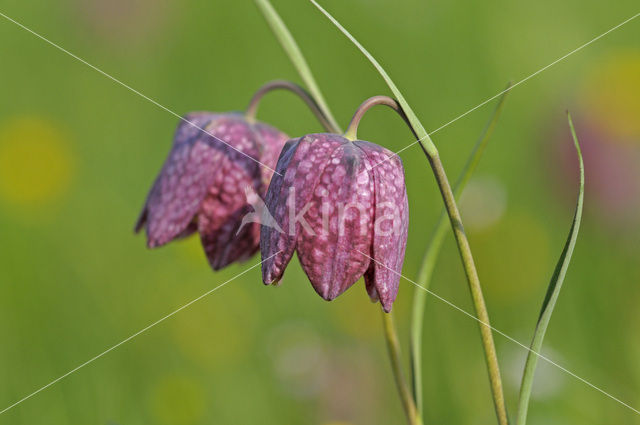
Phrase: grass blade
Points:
(433, 250)
(421, 133)
(552, 294)
(486, 334)
(292, 50)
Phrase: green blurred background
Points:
(79, 152)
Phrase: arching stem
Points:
(390, 333)
(352, 129)
(471, 273)
(252, 109)
(294, 53)
(491, 357)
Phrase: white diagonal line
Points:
(112, 78)
(505, 335)
(132, 336)
(560, 59)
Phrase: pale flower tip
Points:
(269, 278)
(275, 282)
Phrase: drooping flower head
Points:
(204, 182)
(342, 205)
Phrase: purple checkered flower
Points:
(342, 205)
(203, 185)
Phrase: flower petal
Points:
(220, 215)
(299, 168)
(182, 184)
(223, 240)
(390, 226)
(340, 219)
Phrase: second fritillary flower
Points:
(203, 185)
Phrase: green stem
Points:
(292, 50)
(431, 152)
(471, 273)
(433, 250)
(352, 129)
(393, 346)
(252, 109)
(451, 209)
(419, 302)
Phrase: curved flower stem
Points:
(393, 346)
(471, 273)
(252, 109)
(433, 250)
(474, 285)
(431, 152)
(294, 53)
(352, 129)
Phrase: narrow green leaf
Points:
(552, 294)
(421, 133)
(290, 46)
(456, 225)
(433, 250)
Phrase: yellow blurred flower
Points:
(612, 94)
(178, 400)
(36, 162)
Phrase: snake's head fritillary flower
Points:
(204, 182)
(342, 205)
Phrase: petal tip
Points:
(269, 278)
(387, 306)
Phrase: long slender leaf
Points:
(552, 294)
(292, 50)
(456, 225)
(433, 250)
(421, 133)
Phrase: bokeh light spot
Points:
(299, 359)
(124, 22)
(36, 162)
(483, 203)
(612, 94)
(612, 172)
